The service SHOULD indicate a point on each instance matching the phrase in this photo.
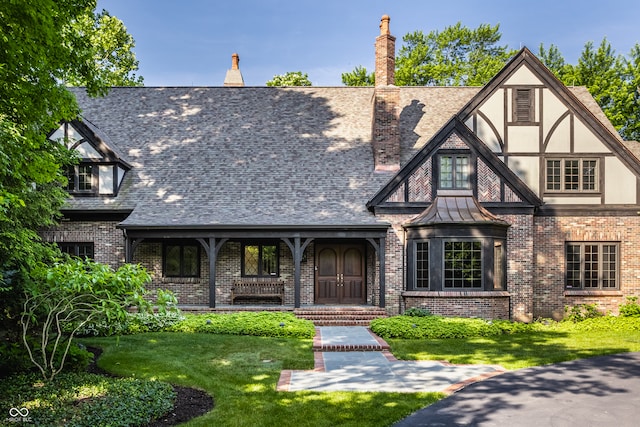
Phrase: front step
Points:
(340, 316)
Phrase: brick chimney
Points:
(386, 103)
(234, 76)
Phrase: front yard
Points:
(241, 372)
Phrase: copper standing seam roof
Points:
(455, 208)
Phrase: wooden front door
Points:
(340, 275)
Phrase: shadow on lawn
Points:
(512, 351)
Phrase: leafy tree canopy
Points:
(290, 78)
(456, 56)
(461, 56)
(359, 77)
(44, 45)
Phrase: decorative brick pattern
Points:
(398, 195)
(510, 196)
(488, 183)
(420, 188)
(454, 142)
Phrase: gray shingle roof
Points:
(251, 156)
(254, 156)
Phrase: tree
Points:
(62, 299)
(456, 56)
(290, 78)
(554, 61)
(111, 48)
(45, 44)
(359, 77)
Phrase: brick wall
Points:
(520, 266)
(108, 241)
(485, 305)
(551, 233)
(518, 305)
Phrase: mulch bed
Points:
(189, 403)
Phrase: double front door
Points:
(340, 274)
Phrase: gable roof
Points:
(475, 144)
(577, 98)
(266, 156)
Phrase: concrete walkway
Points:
(352, 358)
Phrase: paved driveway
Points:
(600, 391)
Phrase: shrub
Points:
(417, 312)
(15, 357)
(87, 399)
(265, 324)
(132, 323)
(581, 312)
(631, 308)
(411, 327)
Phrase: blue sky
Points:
(190, 42)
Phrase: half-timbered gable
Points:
(454, 159)
(563, 151)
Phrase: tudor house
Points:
(511, 200)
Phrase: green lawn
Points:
(241, 373)
(560, 343)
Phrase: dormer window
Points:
(100, 170)
(455, 171)
(81, 179)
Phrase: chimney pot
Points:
(234, 76)
(384, 25)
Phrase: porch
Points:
(318, 266)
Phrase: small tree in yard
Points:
(63, 298)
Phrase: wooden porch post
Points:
(297, 248)
(211, 248)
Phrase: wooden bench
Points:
(257, 288)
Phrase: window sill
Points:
(179, 279)
(456, 294)
(591, 293)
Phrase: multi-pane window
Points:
(572, 175)
(81, 178)
(181, 260)
(455, 171)
(260, 260)
(592, 265)
(463, 264)
(82, 250)
(422, 264)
